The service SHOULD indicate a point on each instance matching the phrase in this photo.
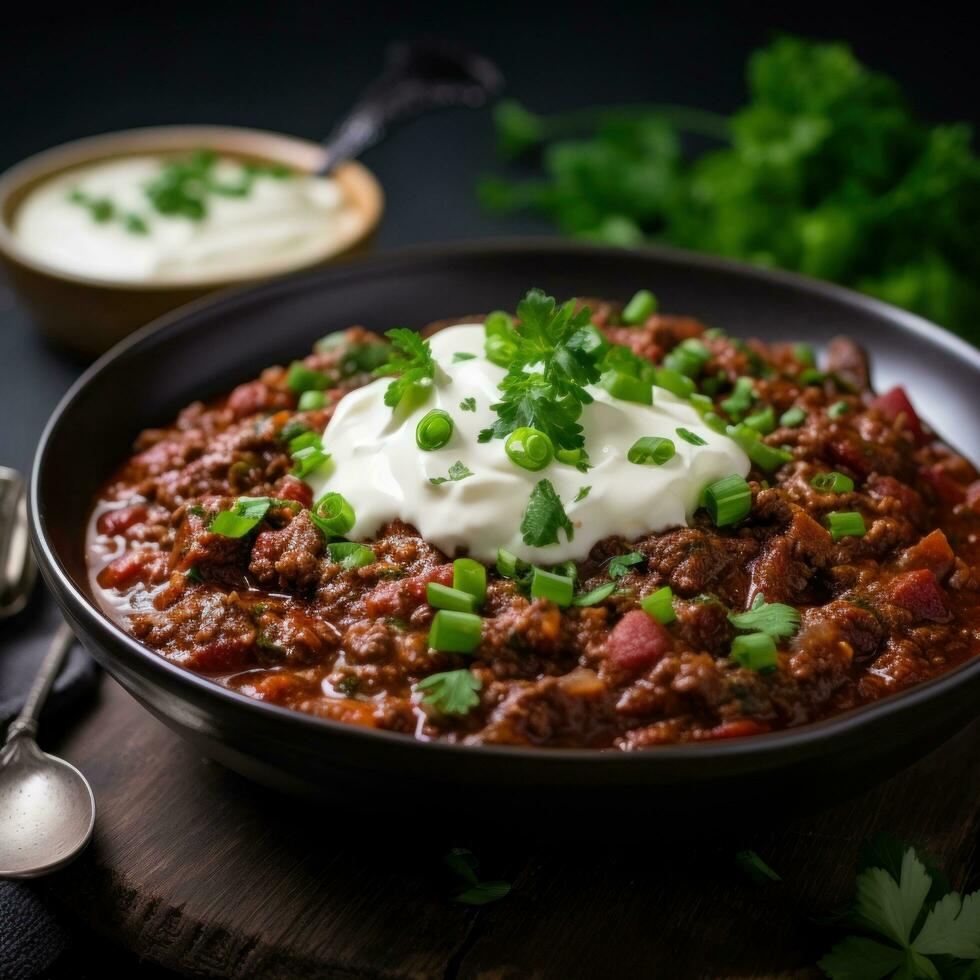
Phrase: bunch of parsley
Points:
(826, 170)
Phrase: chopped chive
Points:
(642, 306)
(531, 449)
(793, 417)
(625, 386)
(455, 632)
(832, 482)
(838, 409)
(651, 451)
(728, 500)
(688, 358)
(756, 651)
(300, 378)
(351, 554)
(308, 460)
(311, 400)
(675, 382)
(443, 597)
(434, 430)
(660, 605)
(692, 437)
(595, 596)
(508, 564)
(811, 376)
(471, 577)
(462, 356)
(847, 523)
(767, 458)
(804, 355)
(741, 398)
(333, 515)
(558, 589)
(701, 403)
(715, 422)
(583, 492)
(763, 421)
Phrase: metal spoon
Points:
(18, 570)
(47, 810)
(418, 76)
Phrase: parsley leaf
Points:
(412, 363)
(452, 692)
(468, 404)
(583, 492)
(474, 892)
(774, 618)
(621, 564)
(556, 351)
(544, 516)
(458, 471)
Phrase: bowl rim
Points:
(771, 745)
(63, 157)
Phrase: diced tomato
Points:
(932, 552)
(134, 566)
(293, 489)
(896, 402)
(920, 594)
(638, 641)
(739, 728)
(404, 595)
(850, 453)
(114, 522)
(948, 490)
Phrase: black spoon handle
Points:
(418, 76)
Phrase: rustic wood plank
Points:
(198, 870)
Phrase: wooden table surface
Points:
(198, 870)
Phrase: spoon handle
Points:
(418, 76)
(26, 721)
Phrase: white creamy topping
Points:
(378, 467)
(281, 223)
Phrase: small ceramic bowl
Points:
(89, 314)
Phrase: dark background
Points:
(296, 67)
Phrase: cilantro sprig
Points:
(544, 517)
(554, 354)
(911, 924)
(453, 692)
(457, 471)
(411, 362)
(774, 618)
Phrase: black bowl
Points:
(207, 348)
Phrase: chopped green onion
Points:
(767, 458)
(660, 605)
(741, 398)
(715, 422)
(455, 632)
(838, 409)
(793, 417)
(692, 437)
(531, 449)
(675, 382)
(507, 564)
(573, 457)
(311, 400)
(848, 523)
(242, 518)
(463, 356)
(595, 596)
(442, 597)
(804, 355)
(701, 403)
(811, 376)
(642, 306)
(583, 492)
(333, 515)
(728, 500)
(625, 386)
(755, 868)
(300, 378)
(434, 430)
(832, 482)
(688, 358)
(763, 421)
(556, 588)
(308, 460)
(350, 554)
(470, 576)
(500, 344)
(651, 451)
(756, 651)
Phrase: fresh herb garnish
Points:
(621, 564)
(544, 516)
(691, 437)
(453, 692)
(468, 404)
(774, 618)
(554, 357)
(474, 891)
(750, 864)
(594, 596)
(911, 924)
(462, 356)
(245, 515)
(412, 363)
(458, 471)
(583, 492)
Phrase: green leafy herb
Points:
(911, 927)
(458, 471)
(544, 516)
(692, 437)
(412, 363)
(462, 356)
(774, 618)
(583, 492)
(555, 354)
(468, 404)
(473, 892)
(453, 692)
(246, 514)
(749, 863)
(621, 564)
(595, 596)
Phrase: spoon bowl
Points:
(47, 811)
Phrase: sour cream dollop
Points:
(281, 223)
(380, 470)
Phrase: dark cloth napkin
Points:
(31, 938)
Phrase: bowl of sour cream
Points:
(104, 234)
